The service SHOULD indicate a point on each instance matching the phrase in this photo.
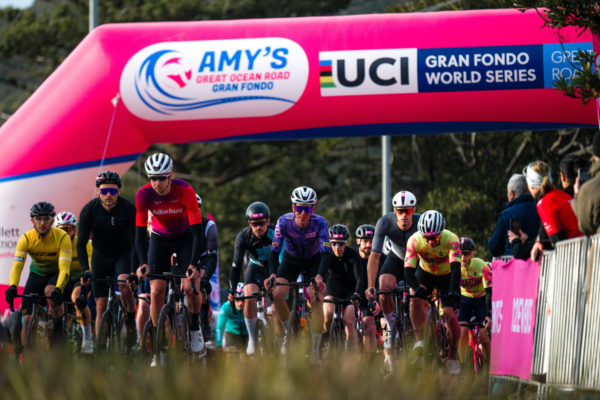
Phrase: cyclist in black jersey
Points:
(255, 239)
(344, 282)
(364, 239)
(110, 220)
(398, 226)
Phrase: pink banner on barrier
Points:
(514, 300)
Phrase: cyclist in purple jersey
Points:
(307, 249)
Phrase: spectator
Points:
(586, 203)
(520, 207)
(553, 206)
(568, 171)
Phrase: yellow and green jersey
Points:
(49, 255)
(475, 278)
(76, 269)
(435, 260)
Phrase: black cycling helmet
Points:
(467, 244)
(42, 208)
(109, 177)
(258, 210)
(365, 231)
(338, 232)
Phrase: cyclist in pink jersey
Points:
(176, 228)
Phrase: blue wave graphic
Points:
(170, 104)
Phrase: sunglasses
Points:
(432, 237)
(66, 228)
(401, 211)
(336, 244)
(158, 178)
(111, 191)
(466, 252)
(258, 223)
(42, 218)
(305, 209)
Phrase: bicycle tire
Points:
(432, 350)
(183, 334)
(442, 339)
(74, 333)
(265, 339)
(119, 333)
(398, 339)
(165, 331)
(146, 339)
(469, 360)
(293, 329)
(104, 333)
(32, 335)
(337, 336)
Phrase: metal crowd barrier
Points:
(589, 367)
(566, 355)
(543, 326)
(567, 311)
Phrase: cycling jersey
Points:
(388, 226)
(172, 214)
(49, 255)
(76, 269)
(557, 215)
(436, 260)
(475, 278)
(258, 248)
(230, 322)
(112, 231)
(301, 243)
(345, 277)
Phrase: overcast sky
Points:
(16, 3)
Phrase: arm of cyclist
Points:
(239, 250)
(372, 271)
(65, 255)
(209, 261)
(325, 253)
(198, 241)
(83, 237)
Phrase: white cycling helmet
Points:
(239, 290)
(404, 199)
(158, 164)
(304, 195)
(431, 223)
(199, 200)
(65, 218)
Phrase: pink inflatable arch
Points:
(129, 85)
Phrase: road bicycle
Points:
(474, 357)
(265, 336)
(41, 325)
(437, 346)
(112, 331)
(173, 329)
(402, 336)
(337, 330)
(298, 322)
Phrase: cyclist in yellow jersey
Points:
(50, 251)
(68, 223)
(438, 252)
(475, 294)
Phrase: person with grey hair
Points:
(520, 216)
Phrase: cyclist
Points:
(475, 293)
(306, 249)
(364, 239)
(256, 239)
(68, 223)
(109, 219)
(231, 328)
(51, 252)
(344, 282)
(398, 226)
(438, 251)
(208, 261)
(176, 228)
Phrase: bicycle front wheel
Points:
(146, 339)
(182, 330)
(104, 332)
(166, 335)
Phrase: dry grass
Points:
(53, 375)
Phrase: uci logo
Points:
(361, 72)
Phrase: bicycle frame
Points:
(111, 335)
